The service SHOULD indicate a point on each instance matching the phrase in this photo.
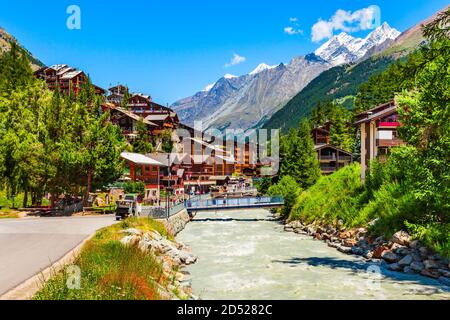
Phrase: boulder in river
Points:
(417, 266)
(395, 267)
(389, 256)
(346, 250)
(401, 237)
(430, 264)
(406, 261)
(430, 273)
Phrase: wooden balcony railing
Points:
(389, 142)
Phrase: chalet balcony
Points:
(388, 124)
(389, 142)
(328, 169)
(334, 158)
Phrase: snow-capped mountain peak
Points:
(261, 67)
(229, 76)
(382, 33)
(209, 87)
(344, 48)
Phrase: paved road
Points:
(28, 246)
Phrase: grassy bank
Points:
(343, 197)
(111, 271)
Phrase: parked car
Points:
(128, 206)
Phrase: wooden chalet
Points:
(321, 135)
(117, 94)
(66, 78)
(332, 158)
(127, 121)
(378, 127)
(147, 170)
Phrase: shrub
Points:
(333, 197)
(289, 189)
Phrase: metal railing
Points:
(235, 202)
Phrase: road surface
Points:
(30, 245)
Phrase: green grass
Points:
(342, 196)
(111, 271)
(332, 198)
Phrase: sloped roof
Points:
(140, 159)
(157, 117)
(324, 146)
(131, 115)
(377, 115)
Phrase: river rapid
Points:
(245, 254)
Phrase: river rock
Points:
(423, 251)
(430, 264)
(378, 252)
(333, 244)
(320, 230)
(300, 231)
(379, 241)
(444, 272)
(131, 240)
(357, 251)
(408, 270)
(326, 237)
(401, 250)
(389, 256)
(131, 231)
(368, 255)
(417, 266)
(406, 261)
(361, 233)
(415, 244)
(288, 228)
(296, 224)
(343, 249)
(395, 267)
(444, 281)
(363, 244)
(311, 230)
(349, 242)
(430, 273)
(401, 237)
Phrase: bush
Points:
(332, 198)
(289, 189)
(134, 187)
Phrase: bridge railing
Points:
(235, 202)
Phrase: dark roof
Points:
(376, 109)
(323, 146)
(369, 116)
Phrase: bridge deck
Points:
(234, 203)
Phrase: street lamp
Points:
(168, 186)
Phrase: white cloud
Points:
(292, 31)
(237, 59)
(294, 19)
(363, 19)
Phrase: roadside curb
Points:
(27, 289)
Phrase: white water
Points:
(245, 255)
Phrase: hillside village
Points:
(362, 162)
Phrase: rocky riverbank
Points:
(400, 253)
(173, 256)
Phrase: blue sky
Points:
(172, 49)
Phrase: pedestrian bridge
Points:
(233, 203)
